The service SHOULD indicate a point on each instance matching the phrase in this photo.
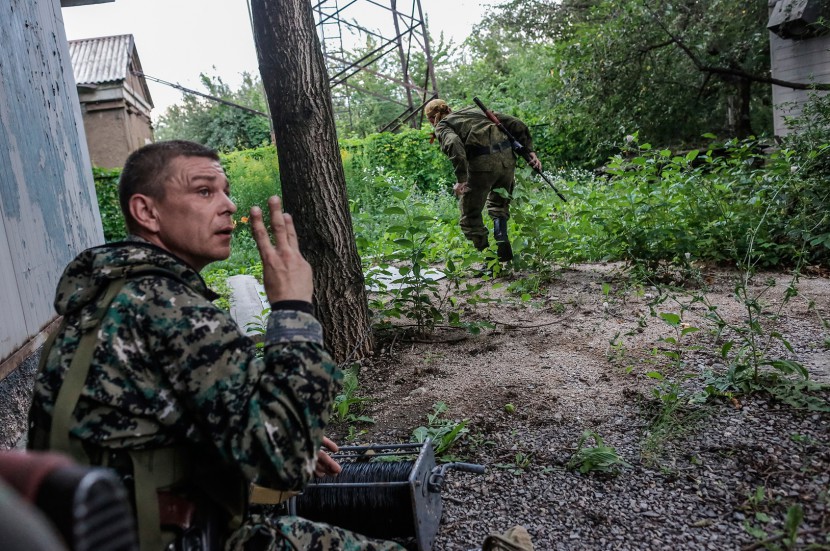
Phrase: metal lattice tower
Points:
(396, 32)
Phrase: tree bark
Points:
(311, 170)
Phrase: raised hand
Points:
(285, 273)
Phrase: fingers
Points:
(263, 243)
(285, 273)
(291, 234)
(326, 465)
(330, 445)
(278, 223)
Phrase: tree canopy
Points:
(583, 73)
(219, 125)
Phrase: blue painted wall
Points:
(48, 210)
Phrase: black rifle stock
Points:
(517, 146)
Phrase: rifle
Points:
(517, 147)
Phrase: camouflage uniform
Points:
(172, 369)
(482, 157)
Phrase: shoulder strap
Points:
(75, 378)
(152, 469)
(76, 375)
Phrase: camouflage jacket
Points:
(172, 369)
(465, 131)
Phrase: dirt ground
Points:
(576, 356)
(554, 353)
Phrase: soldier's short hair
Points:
(147, 169)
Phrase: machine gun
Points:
(516, 145)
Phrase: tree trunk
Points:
(738, 114)
(311, 170)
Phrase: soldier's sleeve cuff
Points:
(293, 326)
(301, 305)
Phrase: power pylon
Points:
(396, 28)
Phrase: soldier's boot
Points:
(505, 251)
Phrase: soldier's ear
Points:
(143, 210)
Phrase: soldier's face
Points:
(194, 217)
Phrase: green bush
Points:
(106, 188)
(654, 206)
(407, 155)
(254, 175)
(650, 206)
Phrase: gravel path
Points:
(729, 468)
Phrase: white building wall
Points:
(794, 60)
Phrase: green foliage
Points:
(217, 279)
(414, 233)
(776, 540)
(217, 125)
(444, 433)
(657, 207)
(407, 155)
(106, 189)
(672, 70)
(521, 462)
(348, 406)
(597, 458)
(254, 175)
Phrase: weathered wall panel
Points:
(796, 61)
(47, 196)
(12, 324)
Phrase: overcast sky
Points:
(178, 39)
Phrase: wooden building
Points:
(800, 52)
(115, 100)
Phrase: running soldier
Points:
(484, 163)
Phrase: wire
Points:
(201, 94)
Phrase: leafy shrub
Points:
(106, 189)
(254, 176)
(597, 458)
(444, 433)
(654, 206)
(348, 406)
(407, 155)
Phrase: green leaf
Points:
(795, 515)
(670, 318)
(762, 517)
(724, 350)
(655, 375)
(394, 210)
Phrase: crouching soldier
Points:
(147, 376)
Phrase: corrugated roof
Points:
(102, 59)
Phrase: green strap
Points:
(47, 346)
(154, 470)
(76, 375)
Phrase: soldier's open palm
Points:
(285, 273)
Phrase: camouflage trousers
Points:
(284, 533)
(484, 190)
